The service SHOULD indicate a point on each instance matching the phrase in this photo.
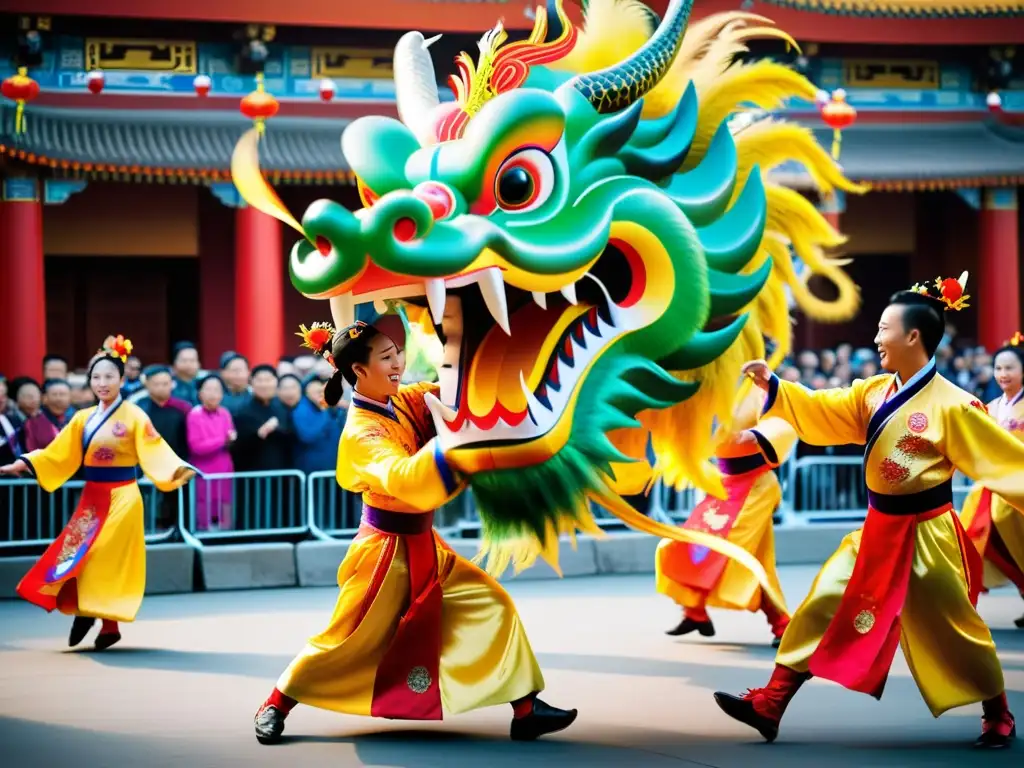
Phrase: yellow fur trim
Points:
(683, 435)
(613, 30)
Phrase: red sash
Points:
(407, 685)
(981, 525)
(698, 567)
(858, 647)
(64, 559)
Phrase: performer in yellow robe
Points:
(96, 567)
(995, 527)
(910, 576)
(695, 577)
(418, 631)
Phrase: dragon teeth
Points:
(343, 310)
(436, 295)
(570, 293)
(492, 287)
(440, 412)
(613, 308)
(541, 299)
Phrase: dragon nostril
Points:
(323, 245)
(405, 229)
(437, 196)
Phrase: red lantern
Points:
(95, 81)
(21, 89)
(202, 85)
(326, 89)
(259, 105)
(994, 102)
(837, 115)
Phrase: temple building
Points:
(118, 213)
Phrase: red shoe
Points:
(998, 728)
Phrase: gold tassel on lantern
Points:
(20, 89)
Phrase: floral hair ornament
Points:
(117, 346)
(1017, 340)
(318, 338)
(950, 291)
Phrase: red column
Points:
(997, 290)
(23, 294)
(259, 286)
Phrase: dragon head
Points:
(573, 271)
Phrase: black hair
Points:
(347, 352)
(264, 368)
(50, 383)
(286, 359)
(16, 384)
(115, 361)
(207, 378)
(156, 369)
(924, 314)
(1017, 350)
(54, 359)
(229, 357)
(180, 347)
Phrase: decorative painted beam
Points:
(904, 9)
(19, 189)
(971, 196)
(227, 193)
(57, 191)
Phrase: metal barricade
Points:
(246, 505)
(335, 513)
(824, 489)
(33, 517)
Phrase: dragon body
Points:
(593, 242)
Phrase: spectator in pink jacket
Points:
(211, 432)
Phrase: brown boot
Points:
(762, 708)
(998, 728)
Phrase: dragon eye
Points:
(524, 181)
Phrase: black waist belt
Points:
(397, 523)
(913, 503)
(741, 464)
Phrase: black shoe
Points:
(269, 725)
(991, 739)
(79, 629)
(1019, 623)
(688, 625)
(105, 640)
(743, 710)
(542, 720)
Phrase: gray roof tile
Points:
(172, 140)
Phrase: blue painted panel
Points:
(289, 68)
(287, 74)
(20, 190)
(57, 191)
(971, 196)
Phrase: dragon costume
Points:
(596, 244)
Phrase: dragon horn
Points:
(615, 88)
(415, 83)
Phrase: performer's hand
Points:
(232, 436)
(17, 468)
(758, 372)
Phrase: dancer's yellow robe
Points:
(97, 565)
(694, 577)
(449, 646)
(909, 576)
(985, 513)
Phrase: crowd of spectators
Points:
(231, 418)
(237, 418)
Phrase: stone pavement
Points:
(182, 688)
